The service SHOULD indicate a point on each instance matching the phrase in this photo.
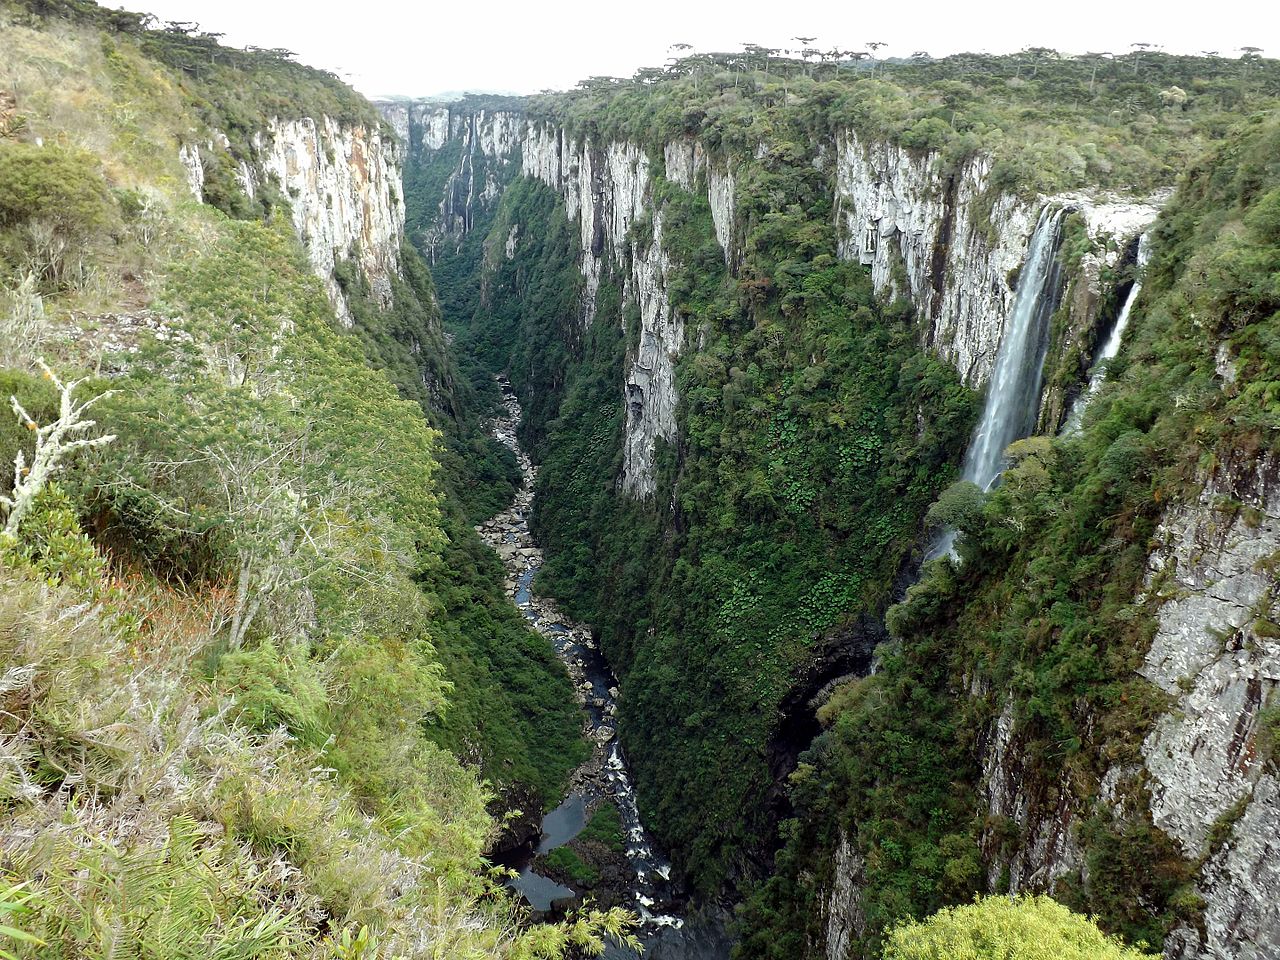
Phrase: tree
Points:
(1093, 73)
(1007, 928)
(1248, 57)
(288, 525)
(958, 508)
(54, 200)
(1174, 96)
(1138, 49)
(54, 443)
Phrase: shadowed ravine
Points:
(604, 777)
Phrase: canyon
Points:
(726, 512)
(955, 251)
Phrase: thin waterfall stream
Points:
(604, 777)
(1098, 371)
(1013, 392)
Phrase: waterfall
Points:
(1098, 372)
(1013, 392)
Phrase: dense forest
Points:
(264, 691)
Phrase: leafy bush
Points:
(1005, 928)
(53, 200)
(51, 544)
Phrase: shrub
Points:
(959, 507)
(275, 688)
(51, 544)
(52, 202)
(1006, 928)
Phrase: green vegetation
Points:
(605, 826)
(52, 200)
(1042, 607)
(1049, 121)
(563, 861)
(240, 88)
(1001, 928)
(264, 692)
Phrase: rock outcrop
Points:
(685, 160)
(1216, 654)
(846, 920)
(343, 185)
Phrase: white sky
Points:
(387, 47)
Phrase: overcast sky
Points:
(386, 47)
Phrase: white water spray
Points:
(1013, 393)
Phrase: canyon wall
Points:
(1205, 776)
(952, 244)
(343, 184)
(1217, 656)
(478, 151)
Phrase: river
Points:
(604, 777)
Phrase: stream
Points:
(604, 777)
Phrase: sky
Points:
(384, 47)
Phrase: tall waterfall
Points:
(1013, 393)
(1098, 372)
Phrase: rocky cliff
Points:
(470, 154)
(953, 244)
(342, 182)
(1216, 655)
(607, 189)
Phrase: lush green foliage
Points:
(1042, 607)
(1051, 122)
(564, 862)
(796, 485)
(1003, 928)
(814, 434)
(605, 826)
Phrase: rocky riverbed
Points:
(640, 879)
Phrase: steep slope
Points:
(256, 661)
(1101, 667)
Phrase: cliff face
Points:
(1216, 656)
(343, 186)
(1205, 778)
(954, 244)
(685, 160)
(607, 190)
(471, 155)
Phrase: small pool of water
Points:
(563, 823)
(538, 890)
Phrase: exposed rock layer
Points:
(343, 185)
